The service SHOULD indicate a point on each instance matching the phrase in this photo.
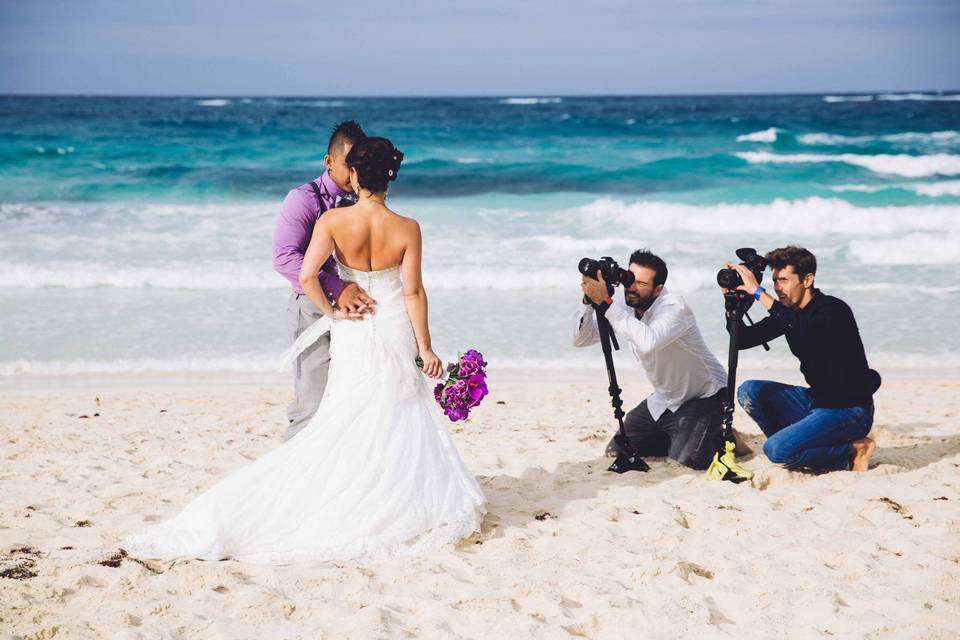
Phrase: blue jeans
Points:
(798, 434)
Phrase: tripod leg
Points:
(627, 458)
(724, 465)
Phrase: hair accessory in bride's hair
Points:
(377, 162)
(465, 387)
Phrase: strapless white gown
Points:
(374, 476)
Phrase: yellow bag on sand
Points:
(726, 467)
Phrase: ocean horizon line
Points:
(488, 96)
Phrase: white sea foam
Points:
(929, 189)
(214, 102)
(829, 139)
(896, 97)
(847, 98)
(821, 217)
(239, 363)
(938, 137)
(305, 103)
(531, 101)
(940, 292)
(203, 258)
(900, 164)
(821, 139)
(72, 274)
(922, 97)
(936, 189)
(60, 151)
(266, 363)
(909, 249)
(767, 135)
(146, 214)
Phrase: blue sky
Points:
(445, 47)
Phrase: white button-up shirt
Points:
(667, 343)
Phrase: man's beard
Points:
(638, 302)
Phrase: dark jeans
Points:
(799, 434)
(690, 435)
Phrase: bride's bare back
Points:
(370, 237)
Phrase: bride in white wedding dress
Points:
(375, 474)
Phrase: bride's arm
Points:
(318, 251)
(415, 298)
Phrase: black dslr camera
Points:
(609, 269)
(730, 279)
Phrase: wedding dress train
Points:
(374, 475)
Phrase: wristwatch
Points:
(758, 292)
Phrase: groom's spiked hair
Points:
(346, 132)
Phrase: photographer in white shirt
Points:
(682, 417)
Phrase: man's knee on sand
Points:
(779, 450)
(696, 459)
(749, 395)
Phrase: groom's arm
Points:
(290, 240)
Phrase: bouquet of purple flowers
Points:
(465, 387)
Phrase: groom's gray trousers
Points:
(311, 366)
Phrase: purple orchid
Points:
(465, 387)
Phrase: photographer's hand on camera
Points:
(595, 290)
(750, 285)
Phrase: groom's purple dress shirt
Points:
(295, 227)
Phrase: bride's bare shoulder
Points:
(409, 227)
(337, 213)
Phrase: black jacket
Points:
(825, 337)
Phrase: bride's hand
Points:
(432, 366)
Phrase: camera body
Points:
(730, 279)
(612, 273)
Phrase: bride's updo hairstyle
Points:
(377, 162)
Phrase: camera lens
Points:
(729, 278)
(589, 267)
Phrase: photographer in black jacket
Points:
(824, 426)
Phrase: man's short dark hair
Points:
(346, 132)
(644, 258)
(802, 261)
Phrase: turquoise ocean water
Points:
(135, 232)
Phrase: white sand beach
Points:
(567, 549)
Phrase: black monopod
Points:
(627, 457)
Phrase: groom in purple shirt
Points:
(300, 211)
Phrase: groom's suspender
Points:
(316, 190)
